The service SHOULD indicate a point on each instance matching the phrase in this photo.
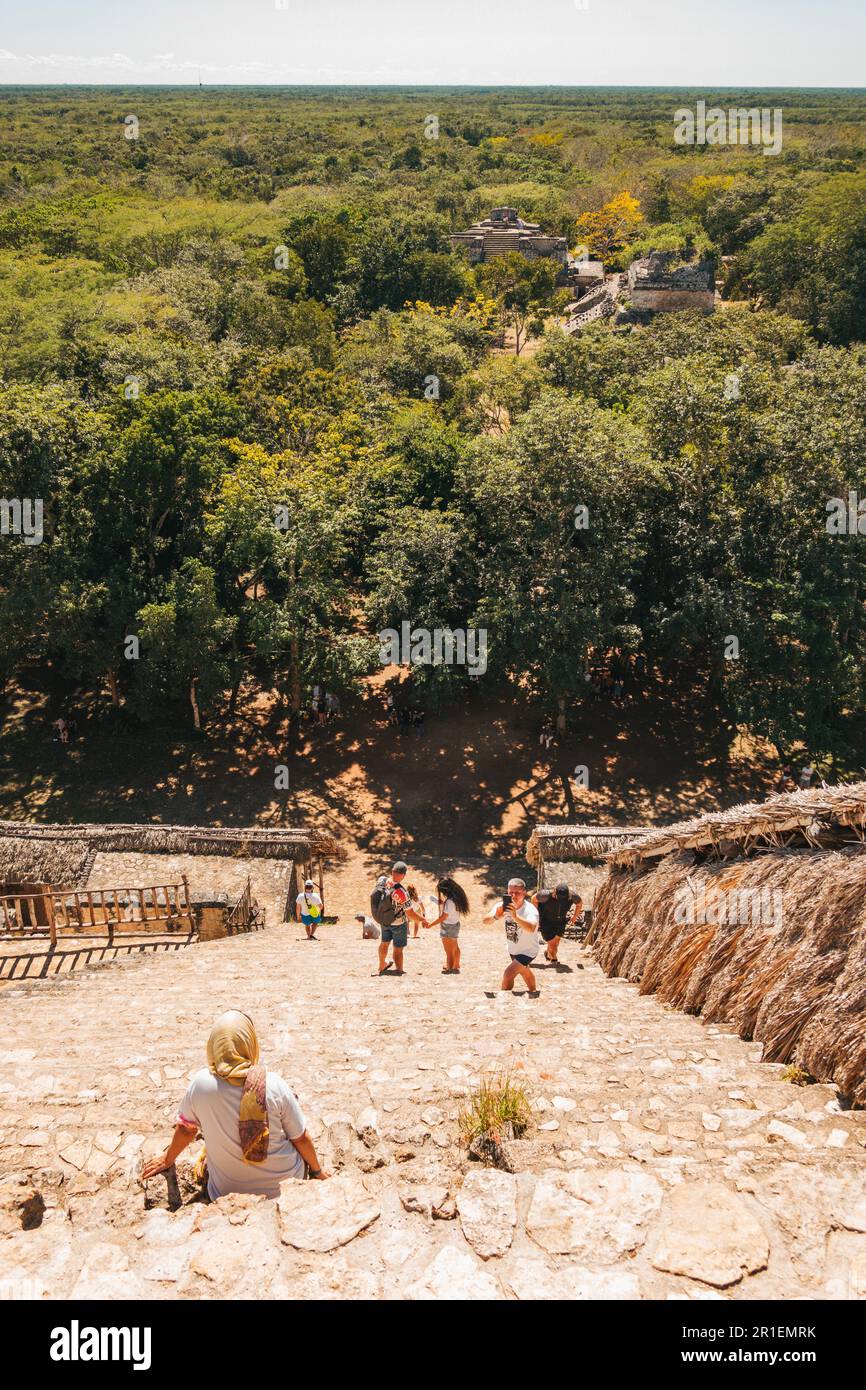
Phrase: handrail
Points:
(81, 911)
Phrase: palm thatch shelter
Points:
(65, 855)
(755, 917)
(574, 854)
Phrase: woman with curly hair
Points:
(453, 904)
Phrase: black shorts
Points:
(523, 960)
(549, 932)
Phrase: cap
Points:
(359, 917)
(516, 883)
(308, 883)
(399, 867)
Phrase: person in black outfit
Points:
(555, 910)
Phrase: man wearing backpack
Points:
(392, 909)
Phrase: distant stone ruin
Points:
(505, 231)
(661, 282)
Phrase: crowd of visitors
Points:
(786, 780)
(530, 923)
(405, 718)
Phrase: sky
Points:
(690, 43)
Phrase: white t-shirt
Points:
(452, 916)
(214, 1105)
(521, 929)
(306, 900)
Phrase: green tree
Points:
(183, 640)
(526, 291)
(557, 505)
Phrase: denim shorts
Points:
(396, 934)
(450, 930)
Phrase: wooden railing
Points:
(96, 911)
(246, 915)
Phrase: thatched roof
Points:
(583, 878)
(827, 816)
(565, 843)
(63, 853)
(769, 940)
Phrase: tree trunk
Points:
(193, 699)
(233, 701)
(112, 686)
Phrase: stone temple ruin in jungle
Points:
(698, 1067)
(661, 282)
(505, 231)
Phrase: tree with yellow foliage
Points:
(608, 229)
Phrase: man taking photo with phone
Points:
(521, 935)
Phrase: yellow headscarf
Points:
(232, 1048)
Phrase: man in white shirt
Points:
(370, 930)
(308, 909)
(521, 935)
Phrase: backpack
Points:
(383, 907)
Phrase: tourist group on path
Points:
(530, 923)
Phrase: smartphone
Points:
(507, 900)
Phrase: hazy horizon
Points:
(705, 90)
(766, 44)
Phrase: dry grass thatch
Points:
(770, 941)
(25, 859)
(62, 853)
(564, 843)
(827, 816)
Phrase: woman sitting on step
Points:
(254, 1133)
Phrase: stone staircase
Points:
(598, 303)
(665, 1160)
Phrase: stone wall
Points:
(205, 873)
(670, 300)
